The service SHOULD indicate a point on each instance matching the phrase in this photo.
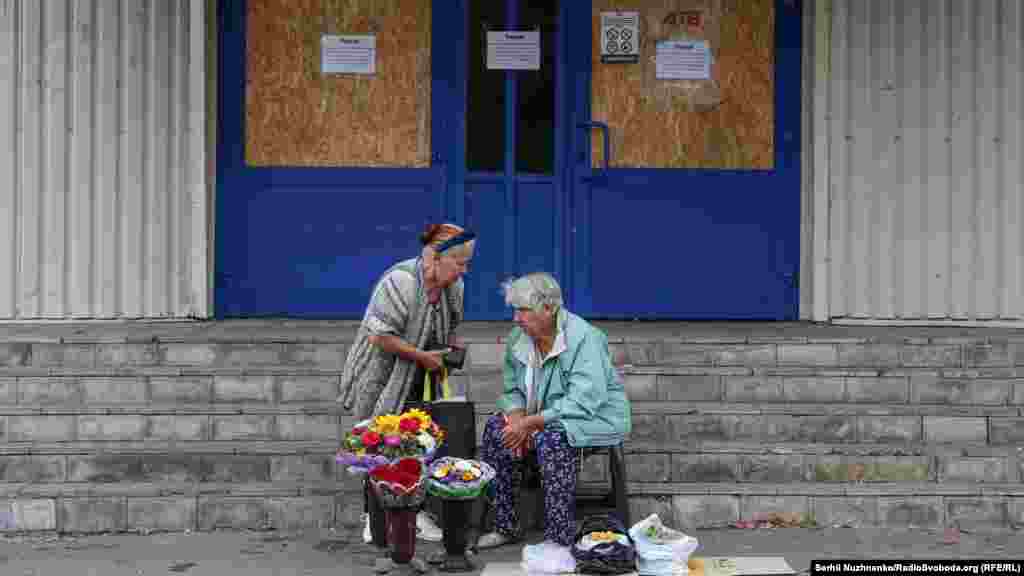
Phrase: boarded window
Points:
(727, 122)
(296, 116)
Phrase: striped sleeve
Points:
(390, 304)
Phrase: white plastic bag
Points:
(660, 550)
(548, 559)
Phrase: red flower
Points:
(370, 439)
(410, 466)
(411, 425)
(405, 474)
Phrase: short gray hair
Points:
(533, 291)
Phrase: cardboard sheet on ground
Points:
(699, 566)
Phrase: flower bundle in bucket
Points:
(458, 478)
(400, 490)
(399, 485)
(389, 438)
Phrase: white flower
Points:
(463, 466)
(426, 440)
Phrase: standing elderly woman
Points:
(413, 312)
(562, 395)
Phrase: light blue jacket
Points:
(579, 387)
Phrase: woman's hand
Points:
(515, 435)
(519, 430)
(431, 360)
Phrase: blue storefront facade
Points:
(626, 242)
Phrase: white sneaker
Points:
(367, 535)
(426, 530)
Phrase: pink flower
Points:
(393, 441)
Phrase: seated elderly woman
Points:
(562, 395)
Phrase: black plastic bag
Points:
(607, 557)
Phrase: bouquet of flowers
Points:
(388, 438)
(457, 478)
(399, 485)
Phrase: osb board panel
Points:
(727, 122)
(296, 116)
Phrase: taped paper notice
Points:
(348, 54)
(507, 50)
(682, 60)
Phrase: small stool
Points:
(616, 499)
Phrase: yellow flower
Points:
(442, 472)
(467, 476)
(420, 415)
(386, 424)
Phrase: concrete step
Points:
(658, 389)
(316, 330)
(631, 348)
(219, 409)
(110, 469)
(325, 447)
(93, 508)
(929, 505)
(285, 461)
(484, 368)
(1005, 491)
(298, 448)
(167, 512)
(71, 403)
(824, 429)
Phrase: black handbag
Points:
(456, 417)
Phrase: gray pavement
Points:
(270, 553)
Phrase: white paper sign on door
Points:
(682, 60)
(348, 54)
(507, 50)
(620, 37)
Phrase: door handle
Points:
(606, 139)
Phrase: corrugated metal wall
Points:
(926, 146)
(102, 159)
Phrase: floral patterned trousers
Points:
(559, 466)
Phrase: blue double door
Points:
(511, 159)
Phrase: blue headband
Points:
(456, 240)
